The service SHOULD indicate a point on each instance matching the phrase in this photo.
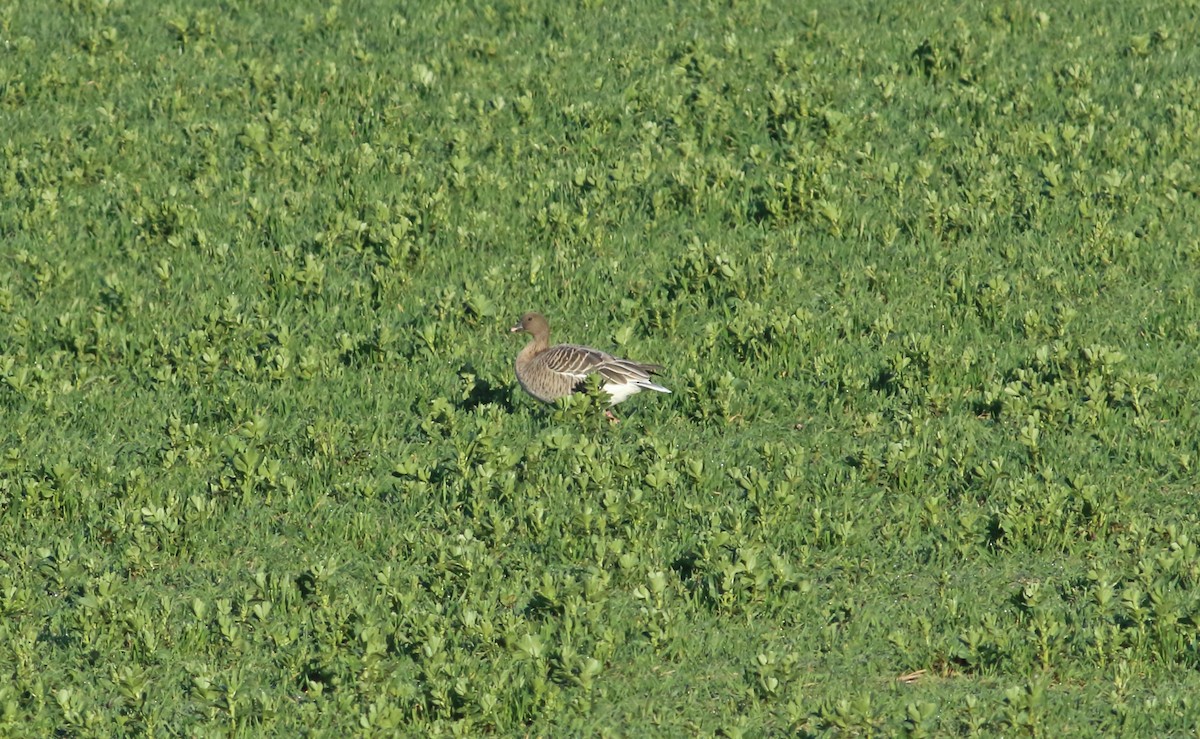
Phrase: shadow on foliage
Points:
(686, 567)
(478, 392)
(540, 607)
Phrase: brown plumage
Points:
(551, 372)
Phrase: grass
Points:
(922, 279)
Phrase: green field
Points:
(923, 276)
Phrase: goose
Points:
(551, 372)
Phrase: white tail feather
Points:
(620, 391)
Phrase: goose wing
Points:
(577, 362)
(574, 362)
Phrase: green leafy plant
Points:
(924, 298)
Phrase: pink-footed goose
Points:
(551, 372)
